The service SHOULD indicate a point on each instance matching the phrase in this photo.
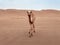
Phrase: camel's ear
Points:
(31, 12)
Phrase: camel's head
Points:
(29, 12)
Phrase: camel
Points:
(31, 18)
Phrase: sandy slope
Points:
(14, 28)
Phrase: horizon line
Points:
(30, 9)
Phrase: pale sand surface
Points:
(14, 29)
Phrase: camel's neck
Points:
(30, 17)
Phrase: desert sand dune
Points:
(14, 27)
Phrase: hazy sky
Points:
(30, 4)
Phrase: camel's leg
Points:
(33, 28)
(31, 31)
(30, 35)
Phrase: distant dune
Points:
(15, 11)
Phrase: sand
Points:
(14, 27)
